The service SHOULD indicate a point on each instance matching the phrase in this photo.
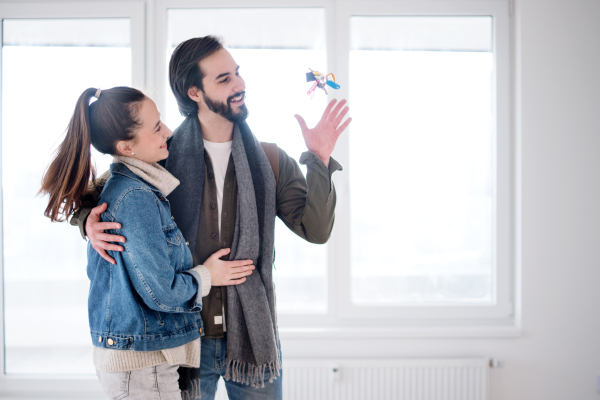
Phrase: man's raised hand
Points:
(94, 229)
(321, 139)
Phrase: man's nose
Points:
(240, 85)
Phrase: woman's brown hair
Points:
(111, 118)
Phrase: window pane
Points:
(274, 48)
(47, 63)
(422, 179)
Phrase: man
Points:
(226, 203)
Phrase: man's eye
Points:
(224, 80)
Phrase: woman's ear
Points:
(125, 148)
(193, 93)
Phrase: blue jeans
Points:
(212, 367)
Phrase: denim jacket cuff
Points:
(198, 300)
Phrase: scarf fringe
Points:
(251, 374)
(193, 393)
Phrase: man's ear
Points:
(194, 94)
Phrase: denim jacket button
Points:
(99, 339)
(110, 342)
(173, 218)
(187, 243)
(200, 330)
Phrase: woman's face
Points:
(150, 143)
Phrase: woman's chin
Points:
(163, 155)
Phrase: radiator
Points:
(382, 379)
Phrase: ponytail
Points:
(66, 179)
(112, 118)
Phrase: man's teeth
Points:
(238, 98)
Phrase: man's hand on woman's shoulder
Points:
(100, 240)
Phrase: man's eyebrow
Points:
(225, 74)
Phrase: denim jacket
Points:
(149, 300)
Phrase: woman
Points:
(144, 311)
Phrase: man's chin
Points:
(239, 116)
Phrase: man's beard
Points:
(225, 110)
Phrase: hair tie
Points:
(98, 92)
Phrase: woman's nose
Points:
(168, 132)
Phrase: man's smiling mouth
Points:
(240, 97)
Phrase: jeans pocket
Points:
(115, 384)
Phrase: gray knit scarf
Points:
(252, 347)
(251, 322)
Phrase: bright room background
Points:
(466, 220)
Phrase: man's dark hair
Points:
(185, 71)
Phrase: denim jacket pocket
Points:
(175, 242)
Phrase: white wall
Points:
(558, 125)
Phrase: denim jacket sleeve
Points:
(146, 257)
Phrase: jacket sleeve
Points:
(307, 206)
(146, 257)
(89, 201)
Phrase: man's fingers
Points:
(99, 209)
(340, 117)
(109, 238)
(105, 255)
(337, 109)
(344, 126)
(303, 126)
(328, 109)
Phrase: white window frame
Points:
(341, 313)
(503, 309)
(26, 386)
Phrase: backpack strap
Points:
(272, 152)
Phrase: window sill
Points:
(497, 332)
